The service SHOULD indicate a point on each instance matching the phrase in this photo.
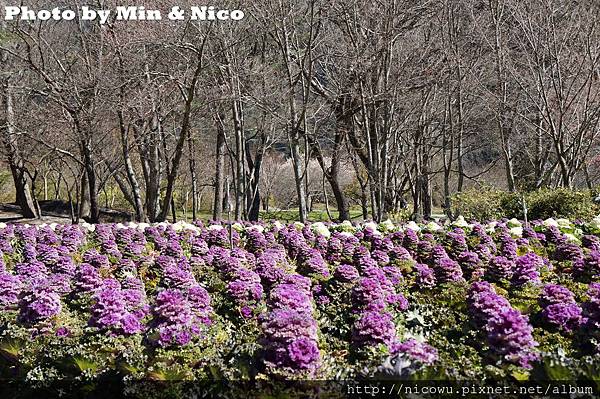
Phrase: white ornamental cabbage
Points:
(370, 225)
(416, 336)
(278, 224)
(88, 227)
(565, 225)
(594, 224)
(413, 226)
(237, 227)
(320, 228)
(215, 227)
(433, 226)
(346, 226)
(388, 225)
(461, 222)
(517, 231)
(513, 223)
(571, 238)
(550, 222)
(142, 226)
(180, 226)
(256, 227)
(191, 227)
(298, 225)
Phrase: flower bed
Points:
(323, 301)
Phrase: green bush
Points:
(561, 203)
(479, 204)
(488, 204)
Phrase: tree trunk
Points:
(255, 171)
(219, 170)
(90, 172)
(138, 205)
(240, 169)
(426, 196)
(344, 125)
(83, 208)
(298, 175)
(192, 165)
(190, 93)
(22, 181)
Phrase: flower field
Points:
(169, 302)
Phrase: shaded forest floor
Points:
(60, 212)
(56, 212)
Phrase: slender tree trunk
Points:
(426, 196)
(138, 205)
(190, 93)
(148, 146)
(219, 169)
(448, 144)
(45, 177)
(173, 210)
(344, 125)
(298, 174)
(90, 172)
(497, 14)
(83, 208)
(22, 181)
(255, 168)
(192, 165)
(240, 172)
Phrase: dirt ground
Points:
(54, 212)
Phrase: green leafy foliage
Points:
(488, 204)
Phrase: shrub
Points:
(489, 203)
(561, 202)
(479, 203)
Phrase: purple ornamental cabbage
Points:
(500, 268)
(303, 353)
(289, 296)
(527, 269)
(592, 306)
(290, 341)
(10, 289)
(416, 351)
(425, 276)
(591, 242)
(564, 316)
(568, 252)
(483, 302)
(310, 262)
(399, 254)
(553, 293)
(509, 335)
(508, 246)
(374, 328)
(368, 293)
(346, 274)
(469, 263)
(87, 279)
(39, 304)
(447, 270)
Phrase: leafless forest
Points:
(357, 104)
